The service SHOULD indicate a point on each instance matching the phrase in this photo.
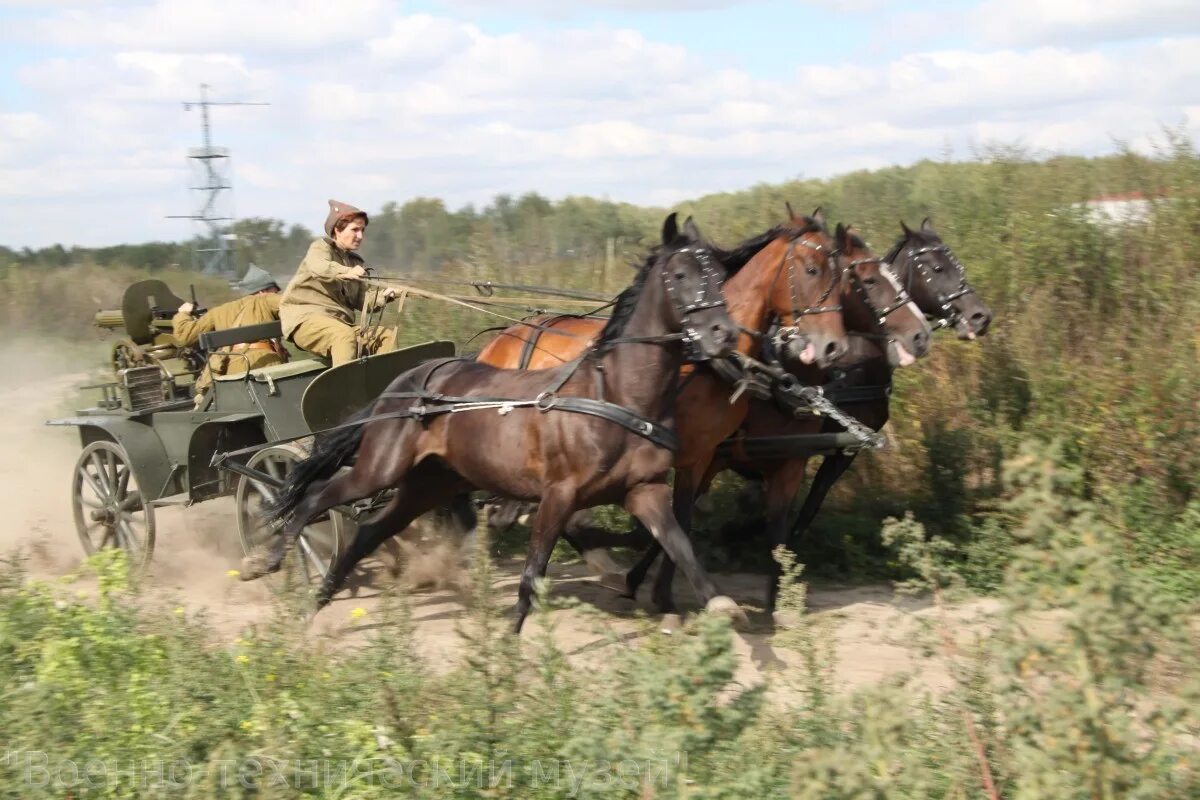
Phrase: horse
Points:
(599, 430)
(710, 409)
(860, 385)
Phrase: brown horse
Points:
(860, 384)
(754, 295)
(596, 431)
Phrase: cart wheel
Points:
(126, 354)
(320, 541)
(109, 508)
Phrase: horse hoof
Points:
(725, 606)
(600, 562)
(670, 623)
(616, 582)
(257, 564)
(785, 620)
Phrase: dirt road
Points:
(198, 546)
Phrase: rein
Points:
(708, 296)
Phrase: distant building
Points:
(1130, 208)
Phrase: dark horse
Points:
(860, 384)
(596, 431)
(797, 276)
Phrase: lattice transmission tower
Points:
(212, 187)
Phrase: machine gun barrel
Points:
(109, 319)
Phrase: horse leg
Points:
(651, 503)
(682, 503)
(558, 502)
(592, 543)
(420, 491)
(503, 515)
(318, 498)
(637, 574)
(831, 469)
(782, 487)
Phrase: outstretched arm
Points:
(186, 328)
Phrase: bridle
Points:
(788, 332)
(949, 315)
(708, 295)
(902, 296)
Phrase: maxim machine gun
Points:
(149, 364)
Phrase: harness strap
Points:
(858, 394)
(546, 401)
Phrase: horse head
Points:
(876, 302)
(938, 282)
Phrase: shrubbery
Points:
(1085, 685)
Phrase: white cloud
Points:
(558, 9)
(1081, 22)
(408, 105)
(262, 26)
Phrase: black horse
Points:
(860, 384)
(596, 431)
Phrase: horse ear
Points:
(670, 229)
(905, 228)
(818, 216)
(840, 236)
(927, 225)
(691, 231)
(788, 205)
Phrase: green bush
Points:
(1083, 685)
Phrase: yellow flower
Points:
(179, 611)
(245, 725)
(242, 659)
(233, 573)
(358, 613)
(269, 677)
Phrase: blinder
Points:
(709, 295)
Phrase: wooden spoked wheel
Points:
(320, 542)
(110, 509)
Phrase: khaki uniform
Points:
(319, 306)
(236, 359)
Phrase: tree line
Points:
(1094, 341)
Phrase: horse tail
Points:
(330, 451)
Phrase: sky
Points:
(646, 101)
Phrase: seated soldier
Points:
(261, 304)
(319, 305)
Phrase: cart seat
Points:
(277, 372)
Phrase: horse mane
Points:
(741, 255)
(626, 301)
(923, 237)
(733, 260)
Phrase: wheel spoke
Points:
(102, 474)
(132, 502)
(313, 558)
(89, 503)
(105, 532)
(123, 484)
(268, 494)
(94, 481)
(320, 536)
(133, 545)
(110, 471)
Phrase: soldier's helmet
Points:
(256, 279)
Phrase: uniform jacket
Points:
(318, 289)
(251, 310)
